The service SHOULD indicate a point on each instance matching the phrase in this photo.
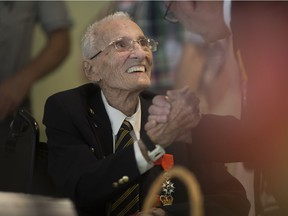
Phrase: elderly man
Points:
(259, 31)
(107, 172)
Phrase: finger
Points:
(174, 94)
(161, 101)
(192, 97)
(156, 110)
(150, 124)
(158, 118)
(186, 90)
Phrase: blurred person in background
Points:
(212, 72)
(259, 31)
(19, 71)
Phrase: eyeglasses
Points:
(125, 44)
(169, 15)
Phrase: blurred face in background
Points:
(202, 17)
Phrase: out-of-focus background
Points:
(69, 74)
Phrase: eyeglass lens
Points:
(169, 15)
(127, 44)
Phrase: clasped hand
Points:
(172, 117)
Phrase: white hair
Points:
(94, 33)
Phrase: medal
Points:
(167, 188)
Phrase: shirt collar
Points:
(117, 117)
(227, 13)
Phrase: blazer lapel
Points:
(99, 122)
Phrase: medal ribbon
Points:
(166, 161)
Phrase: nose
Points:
(138, 51)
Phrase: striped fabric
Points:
(126, 203)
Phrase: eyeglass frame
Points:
(132, 46)
(169, 15)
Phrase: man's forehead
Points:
(121, 28)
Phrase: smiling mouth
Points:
(136, 69)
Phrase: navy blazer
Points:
(83, 166)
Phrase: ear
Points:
(90, 71)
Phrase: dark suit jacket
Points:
(83, 166)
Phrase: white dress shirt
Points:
(116, 119)
(227, 13)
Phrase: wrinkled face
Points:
(128, 70)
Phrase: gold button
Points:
(125, 179)
(115, 184)
(121, 181)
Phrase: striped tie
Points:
(126, 203)
(124, 138)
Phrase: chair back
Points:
(18, 154)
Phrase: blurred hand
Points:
(171, 117)
(160, 109)
(12, 93)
